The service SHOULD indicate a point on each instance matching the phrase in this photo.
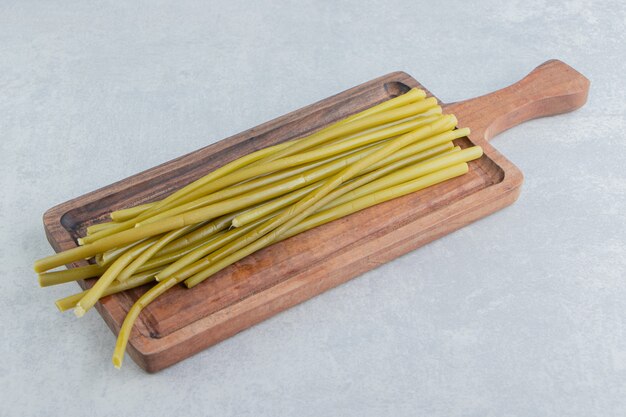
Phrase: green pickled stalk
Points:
(190, 269)
(131, 212)
(102, 245)
(426, 148)
(434, 111)
(268, 231)
(133, 313)
(392, 104)
(166, 259)
(267, 187)
(135, 281)
(361, 203)
(359, 124)
(264, 193)
(95, 292)
(47, 279)
(384, 177)
(407, 98)
(271, 206)
(276, 165)
(68, 275)
(322, 153)
(414, 94)
(432, 165)
(230, 254)
(422, 133)
(212, 176)
(323, 171)
(418, 154)
(272, 190)
(222, 222)
(209, 247)
(128, 271)
(238, 189)
(94, 228)
(220, 172)
(193, 256)
(108, 257)
(200, 234)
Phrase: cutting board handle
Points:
(552, 88)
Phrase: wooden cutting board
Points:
(183, 322)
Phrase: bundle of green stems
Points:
(395, 148)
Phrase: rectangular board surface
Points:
(183, 321)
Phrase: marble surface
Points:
(520, 314)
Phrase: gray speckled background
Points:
(520, 314)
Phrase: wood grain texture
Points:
(184, 322)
